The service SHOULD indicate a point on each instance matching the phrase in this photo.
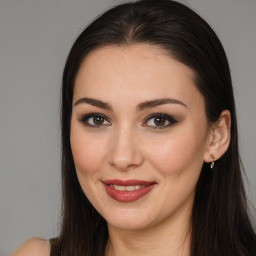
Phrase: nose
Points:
(124, 152)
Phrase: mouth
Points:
(127, 191)
(126, 188)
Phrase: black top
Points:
(53, 243)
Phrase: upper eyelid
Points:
(147, 117)
(161, 114)
(94, 114)
(85, 117)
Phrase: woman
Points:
(150, 159)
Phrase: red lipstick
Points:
(129, 190)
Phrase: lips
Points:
(129, 190)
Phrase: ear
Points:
(218, 138)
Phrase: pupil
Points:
(98, 120)
(159, 121)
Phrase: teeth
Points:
(126, 188)
(120, 188)
(130, 188)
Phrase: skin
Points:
(33, 247)
(126, 145)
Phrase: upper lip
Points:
(128, 182)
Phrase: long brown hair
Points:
(220, 222)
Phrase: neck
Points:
(171, 237)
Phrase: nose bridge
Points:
(125, 151)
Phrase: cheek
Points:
(88, 151)
(178, 154)
(88, 154)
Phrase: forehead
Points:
(141, 71)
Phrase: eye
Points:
(159, 121)
(94, 120)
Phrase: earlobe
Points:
(219, 137)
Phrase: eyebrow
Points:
(94, 102)
(157, 102)
(140, 107)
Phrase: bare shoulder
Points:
(33, 247)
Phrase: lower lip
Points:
(127, 196)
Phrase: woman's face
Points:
(138, 135)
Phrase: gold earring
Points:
(212, 163)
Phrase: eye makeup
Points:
(94, 120)
(154, 121)
(159, 121)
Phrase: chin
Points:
(128, 225)
(130, 220)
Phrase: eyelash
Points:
(85, 119)
(165, 117)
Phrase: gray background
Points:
(35, 37)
